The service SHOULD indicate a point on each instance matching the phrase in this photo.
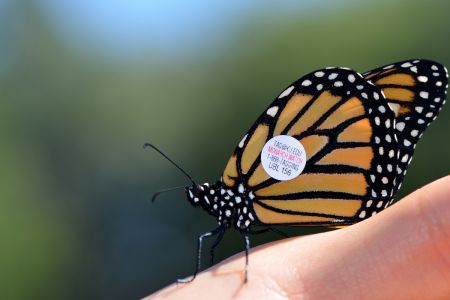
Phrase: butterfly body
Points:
(356, 134)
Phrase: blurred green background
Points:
(83, 84)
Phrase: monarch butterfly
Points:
(331, 150)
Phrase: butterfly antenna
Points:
(155, 195)
(147, 145)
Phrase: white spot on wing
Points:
(391, 153)
(389, 167)
(286, 92)
(272, 111)
(241, 143)
(333, 76)
(306, 82)
(377, 120)
(405, 158)
(319, 74)
(424, 94)
(400, 126)
(422, 78)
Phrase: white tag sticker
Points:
(283, 157)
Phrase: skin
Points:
(401, 253)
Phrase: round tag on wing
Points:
(283, 157)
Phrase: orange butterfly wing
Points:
(342, 121)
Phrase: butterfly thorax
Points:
(229, 206)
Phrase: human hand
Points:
(401, 253)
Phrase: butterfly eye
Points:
(198, 190)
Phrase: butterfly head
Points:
(198, 194)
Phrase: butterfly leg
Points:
(259, 231)
(247, 249)
(199, 253)
(213, 247)
(279, 232)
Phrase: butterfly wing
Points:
(415, 91)
(343, 122)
